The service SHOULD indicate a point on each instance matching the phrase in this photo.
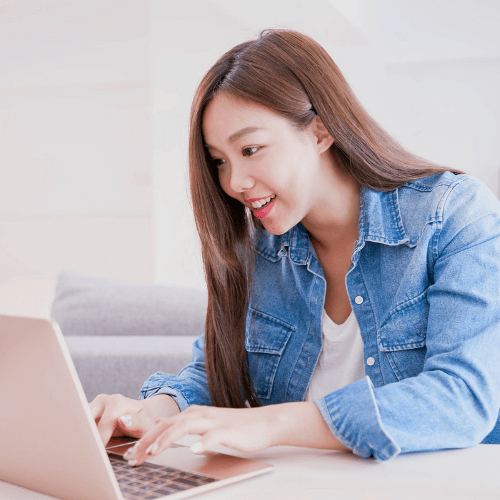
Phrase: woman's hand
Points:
(117, 415)
(243, 429)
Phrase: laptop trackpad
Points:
(217, 465)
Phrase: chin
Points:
(276, 229)
(275, 232)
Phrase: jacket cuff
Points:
(177, 396)
(353, 417)
(162, 383)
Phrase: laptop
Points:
(49, 441)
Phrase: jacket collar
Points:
(379, 221)
(380, 217)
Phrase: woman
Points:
(353, 288)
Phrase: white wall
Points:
(430, 74)
(95, 98)
(75, 139)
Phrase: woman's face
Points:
(263, 160)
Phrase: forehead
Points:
(225, 115)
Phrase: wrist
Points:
(301, 424)
(161, 405)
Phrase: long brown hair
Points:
(294, 76)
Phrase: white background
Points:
(95, 98)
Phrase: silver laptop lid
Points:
(48, 439)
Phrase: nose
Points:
(240, 178)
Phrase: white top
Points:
(341, 358)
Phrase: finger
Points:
(97, 406)
(166, 432)
(106, 426)
(148, 444)
(194, 420)
(121, 417)
(208, 440)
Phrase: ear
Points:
(323, 138)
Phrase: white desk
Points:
(306, 474)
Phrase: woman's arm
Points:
(454, 399)
(189, 387)
(243, 429)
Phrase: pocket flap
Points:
(406, 326)
(266, 333)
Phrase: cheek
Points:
(224, 181)
(291, 175)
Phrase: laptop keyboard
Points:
(149, 481)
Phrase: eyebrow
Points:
(240, 133)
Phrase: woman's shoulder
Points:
(441, 194)
(441, 183)
(454, 201)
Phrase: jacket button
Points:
(370, 361)
(358, 299)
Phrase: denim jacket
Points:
(424, 284)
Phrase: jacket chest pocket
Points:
(403, 337)
(265, 342)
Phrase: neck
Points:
(332, 223)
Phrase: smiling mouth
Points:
(258, 205)
(263, 211)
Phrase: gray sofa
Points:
(118, 334)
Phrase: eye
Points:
(249, 151)
(217, 162)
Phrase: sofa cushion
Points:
(121, 365)
(85, 305)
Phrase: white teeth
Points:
(260, 203)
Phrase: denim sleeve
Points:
(353, 417)
(189, 387)
(454, 402)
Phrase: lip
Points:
(251, 200)
(260, 213)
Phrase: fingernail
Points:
(196, 448)
(129, 453)
(152, 449)
(126, 420)
(132, 462)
